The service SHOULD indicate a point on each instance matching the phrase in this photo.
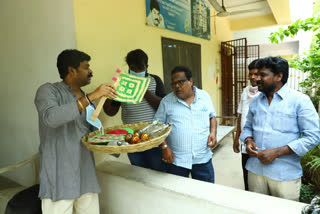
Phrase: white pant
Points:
(86, 204)
(282, 189)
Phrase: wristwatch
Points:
(164, 146)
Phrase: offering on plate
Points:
(122, 143)
(135, 140)
(144, 137)
(118, 143)
(118, 132)
(103, 138)
(115, 143)
(148, 127)
(123, 137)
(130, 131)
(136, 134)
(154, 129)
(128, 137)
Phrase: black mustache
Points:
(90, 75)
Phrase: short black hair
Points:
(70, 57)
(138, 58)
(184, 69)
(253, 64)
(276, 65)
(154, 4)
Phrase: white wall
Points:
(135, 190)
(299, 10)
(32, 34)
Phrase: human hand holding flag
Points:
(103, 99)
(129, 88)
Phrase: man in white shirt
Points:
(247, 95)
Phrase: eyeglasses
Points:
(179, 82)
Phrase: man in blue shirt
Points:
(193, 132)
(282, 126)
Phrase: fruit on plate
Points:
(135, 140)
(136, 134)
(144, 137)
(128, 138)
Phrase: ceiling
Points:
(257, 13)
(261, 7)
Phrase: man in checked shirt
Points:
(282, 126)
(187, 149)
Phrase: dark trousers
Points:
(202, 172)
(244, 159)
(26, 202)
(150, 159)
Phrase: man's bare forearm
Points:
(238, 127)
(152, 99)
(213, 125)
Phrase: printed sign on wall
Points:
(190, 17)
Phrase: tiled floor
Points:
(227, 165)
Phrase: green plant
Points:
(308, 62)
(306, 193)
(311, 167)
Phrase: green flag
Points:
(131, 89)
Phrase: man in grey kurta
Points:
(67, 169)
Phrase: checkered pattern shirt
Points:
(190, 127)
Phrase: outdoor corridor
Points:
(227, 165)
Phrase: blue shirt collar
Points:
(282, 92)
(196, 97)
